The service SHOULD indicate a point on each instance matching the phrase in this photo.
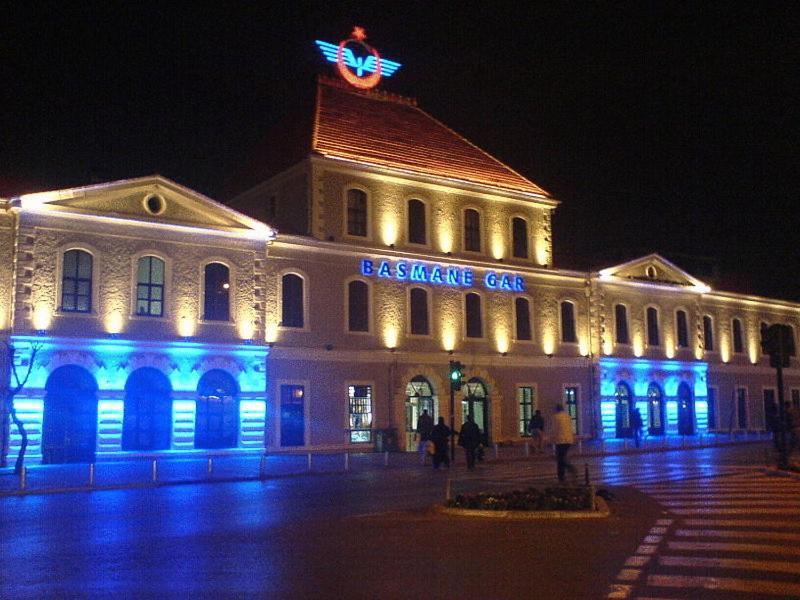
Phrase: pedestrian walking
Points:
(469, 438)
(563, 438)
(439, 435)
(424, 427)
(536, 429)
(636, 426)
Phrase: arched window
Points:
(568, 333)
(147, 420)
(356, 213)
(418, 299)
(292, 301)
(653, 338)
(357, 306)
(417, 233)
(519, 234)
(472, 230)
(217, 418)
(216, 305)
(472, 303)
(522, 312)
(738, 338)
(708, 333)
(621, 324)
(150, 287)
(682, 326)
(76, 282)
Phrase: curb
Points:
(779, 473)
(519, 515)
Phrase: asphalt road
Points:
(360, 535)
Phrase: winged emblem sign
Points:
(363, 71)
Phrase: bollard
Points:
(495, 451)
(766, 458)
(23, 478)
(527, 449)
(210, 466)
(386, 458)
(447, 491)
(91, 474)
(261, 465)
(602, 445)
(346, 461)
(309, 461)
(586, 473)
(625, 444)
(683, 441)
(580, 445)
(154, 471)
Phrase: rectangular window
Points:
(360, 403)
(571, 405)
(621, 323)
(519, 238)
(473, 313)
(708, 333)
(741, 408)
(738, 339)
(652, 327)
(526, 400)
(472, 230)
(770, 410)
(795, 398)
(523, 318)
(356, 213)
(419, 311)
(568, 334)
(682, 326)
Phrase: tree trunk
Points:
(5, 431)
(23, 434)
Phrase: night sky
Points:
(669, 128)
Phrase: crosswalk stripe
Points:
(734, 547)
(741, 523)
(728, 584)
(729, 563)
(773, 503)
(732, 511)
(760, 535)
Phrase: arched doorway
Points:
(685, 409)
(624, 407)
(69, 428)
(476, 403)
(217, 418)
(147, 421)
(419, 396)
(655, 410)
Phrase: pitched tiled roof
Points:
(384, 129)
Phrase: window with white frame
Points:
(526, 401)
(360, 413)
(150, 287)
(76, 282)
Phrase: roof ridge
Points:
(373, 93)
(482, 151)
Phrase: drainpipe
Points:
(590, 355)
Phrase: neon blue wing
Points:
(369, 64)
(388, 67)
(331, 53)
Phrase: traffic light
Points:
(456, 375)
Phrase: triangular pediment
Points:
(153, 199)
(654, 269)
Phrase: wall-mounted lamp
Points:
(391, 246)
(40, 332)
(504, 354)
(450, 352)
(328, 347)
(549, 355)
(392, 349)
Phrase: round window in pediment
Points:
(651, 272)
(154, 204)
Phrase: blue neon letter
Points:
(490, 280)
(366, 267)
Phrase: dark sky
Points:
(661, 127)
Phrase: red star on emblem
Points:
(359, 33)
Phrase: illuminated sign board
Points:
(418, 272)
(353, 58)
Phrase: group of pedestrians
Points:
(434, 439)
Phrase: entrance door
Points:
(655, 410)
(685, 410)
(217, 417)
(476, 403)
(624, 411)
(293, 424)
(419, 397)
(69, 429)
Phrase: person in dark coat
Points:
(424, 427)
(536, 429)
(636, 426)
(439, 435)
(470, 438)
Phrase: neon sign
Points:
(347, 61)
(440, 274)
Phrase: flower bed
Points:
(531, 499)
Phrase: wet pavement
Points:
(367, 534)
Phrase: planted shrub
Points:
(555, 498)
